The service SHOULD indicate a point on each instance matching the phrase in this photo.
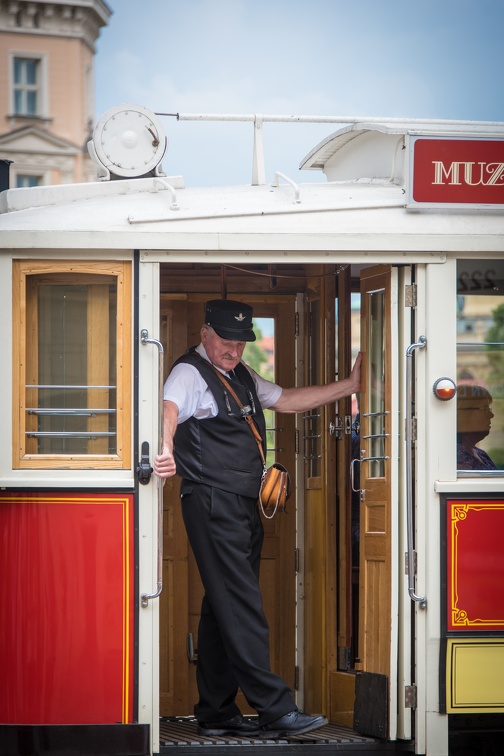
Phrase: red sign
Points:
(461, 171)
(475, 567)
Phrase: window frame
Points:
(122, 271)
(41, 86)
(478, 278)
(27, 178)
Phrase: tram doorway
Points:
(307, 573)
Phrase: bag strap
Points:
(247, 418)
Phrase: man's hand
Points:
(354, 376)
(164, 464)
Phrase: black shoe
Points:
(293, 723)
(237, 725)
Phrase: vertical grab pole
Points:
(422, 600)
(144, 337)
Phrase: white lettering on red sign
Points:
(485, 174)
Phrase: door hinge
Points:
(344, 658)
(296, 324)
(414, 426)
(296, 677)
(297, 557)
(296, 441)
(410, 696)
(410, 295)
(407, 564)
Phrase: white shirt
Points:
(186, 387)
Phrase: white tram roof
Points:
(361, 210)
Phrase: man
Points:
(208, 444)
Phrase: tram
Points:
(383, 583)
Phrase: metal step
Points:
(178, 735)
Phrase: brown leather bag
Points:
(275, 483)
(275, 490)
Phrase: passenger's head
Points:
(473, 410)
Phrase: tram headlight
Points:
(444, 389)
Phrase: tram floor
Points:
(178, 735)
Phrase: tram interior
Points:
(307, 325)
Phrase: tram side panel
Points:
(67, 505)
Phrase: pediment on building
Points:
(30, 139)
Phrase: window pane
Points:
(376, 384)
(30, 71)
(260, 355)
(313, 419)
(480, 366)
(26, 181)
(31, 103)
(18, 70)
(71, 397)
(18, 102)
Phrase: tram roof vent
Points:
(373, 151)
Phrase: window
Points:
(26, 86)
(376, 383)
(26, 181)
(313, 418)
(260, 355)
(480, 367)
(72, 372)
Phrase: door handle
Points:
(144, 469)
(192, 653)
(146, 597)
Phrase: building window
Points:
(25, 181)
(480, 367)
(72, 375)
(26, 86)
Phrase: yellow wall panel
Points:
(475, 675)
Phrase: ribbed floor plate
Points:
(180, 732)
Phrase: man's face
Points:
(223, 353)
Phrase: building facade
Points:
(47, 88)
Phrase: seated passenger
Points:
(473, 425)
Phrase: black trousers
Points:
(226, 535)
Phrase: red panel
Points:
(458, 171)
(66, 608)
(475, 565)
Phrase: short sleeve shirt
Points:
(186, 388)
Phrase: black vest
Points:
(221, 451)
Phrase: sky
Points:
(434, 59)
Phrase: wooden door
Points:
(319, 521)
(181, 319)
(373, 683)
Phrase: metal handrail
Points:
(70, 434)
(65, 386)
(77, 412)
(146, 597)
(421, 600)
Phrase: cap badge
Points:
(239, 317)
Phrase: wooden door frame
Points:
(320, 517)
(341, 678)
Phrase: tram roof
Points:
(362, 208)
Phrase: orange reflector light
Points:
(444, 389)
